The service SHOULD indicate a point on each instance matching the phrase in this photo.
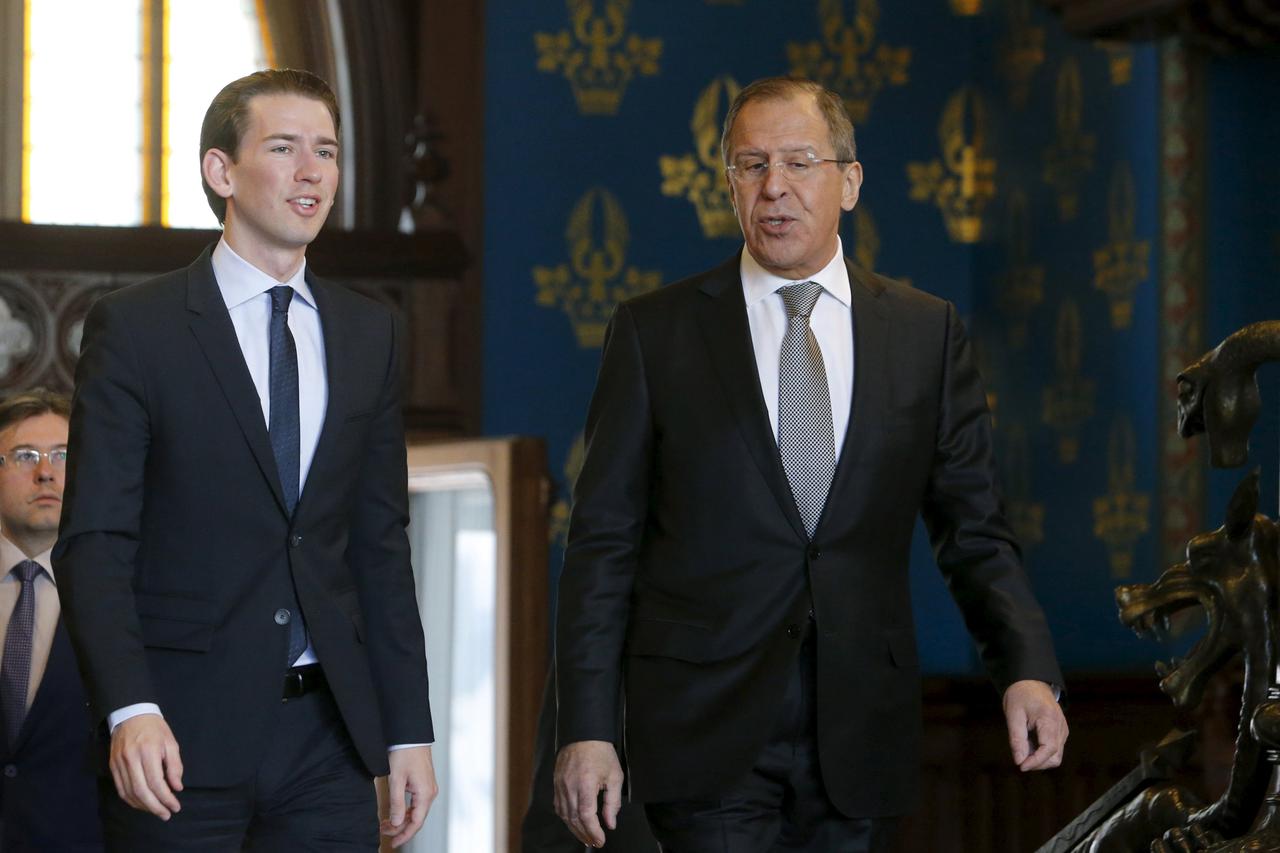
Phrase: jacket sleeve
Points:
(378, 554)
(606, 531)
(972, 541)
(102, 503)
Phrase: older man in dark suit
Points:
(233, 562)
(761, 440)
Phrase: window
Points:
(113, 95)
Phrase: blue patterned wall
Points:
(601, 182)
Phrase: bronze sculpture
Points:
(1233, 573)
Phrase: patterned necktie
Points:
(15, 669)
(285, 430)
(806, 437)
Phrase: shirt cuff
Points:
(394, 747)
(128, 712)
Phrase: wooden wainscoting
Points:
(973, 800)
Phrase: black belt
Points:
(301, 680)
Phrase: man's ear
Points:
(852, 186)
(216, 168)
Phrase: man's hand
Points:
(1030, 707)
(412, 773)
(145, 765)
(583, 770)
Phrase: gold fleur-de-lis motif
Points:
(1121, 265)
(963, 181)
(558, 527)
(1120, 517)
(596, 55)
(966, 8)
(1021, 52)
(699, 176)
(847, 59)
(1119, 61)
(1025, 514)
(596, 277)
(1069, 401)
(1021, 286)
(1070, 155)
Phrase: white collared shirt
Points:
(832, 324)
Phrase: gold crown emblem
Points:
(558, 528)
(598, 57)
(1119, 61)
(1120, 516)
(1070, 155)
(699, 177)
(1022, 285)
(596, 277)
(1022, 51)
(1069, 401)
(1121, 265)
(847, 59)
(963, 181)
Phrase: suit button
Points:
(282, 616)
(793, 631)
(814, 554)
(295, 540)
(11, 770)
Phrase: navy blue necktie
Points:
(285, 429)
(15, 671)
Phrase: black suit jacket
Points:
(176, 549)
(48, 796)
(688, 574)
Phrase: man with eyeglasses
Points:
(761, 439)
(48, 798)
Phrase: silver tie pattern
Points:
(15, 670)
(806, 436)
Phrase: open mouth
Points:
(1167, 617)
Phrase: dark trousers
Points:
(782, 804)
(309, 792)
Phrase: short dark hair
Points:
(18, 407)
(228, 115)
(831, 105)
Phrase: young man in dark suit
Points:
(233, 562)
(48, 799)
(761, 440)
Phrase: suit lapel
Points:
(722, 318)
(871, 330)
(61, 662)
(336, 355)
(211, 325)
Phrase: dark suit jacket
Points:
(688, 573)
(48, 797)
(176, 549)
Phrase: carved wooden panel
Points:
(50, 275)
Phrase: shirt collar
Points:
(11, 555)
(758, 283)
(241, 281)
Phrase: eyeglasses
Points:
(796, 168)
(26, 458)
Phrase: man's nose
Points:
(44, 470)
(775, 183)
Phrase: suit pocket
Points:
(670, 639)
(359, 416)
(172, 622)
(902, 648)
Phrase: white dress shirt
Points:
(48, 609)
(832, 324)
